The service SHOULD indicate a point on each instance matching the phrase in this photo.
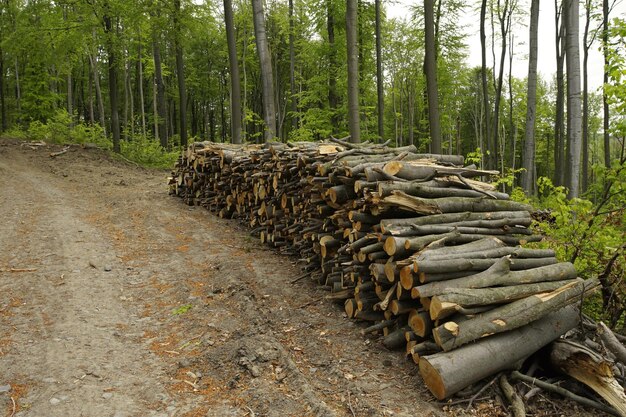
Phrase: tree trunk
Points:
(559, 124)
(574, 121)
(292, 69)
(115, 118)
(3, 109)
(333, 99)
(161, 115)
(180, 75)
(585, 119)
(70, 102)
(140, 85)
(267, 79)
(430, 68)
(446, 373)
(92, 118)
(489, 157)
(528, 157)
(379, 74)
(605, 80)
(96, 82)
(235, 87)
(353, 71)
(504, 17)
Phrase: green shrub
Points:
(148, 152)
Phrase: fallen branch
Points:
(563, 392)
(61, 152)
(611, 342)
(517, 405)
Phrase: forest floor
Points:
(117, 300)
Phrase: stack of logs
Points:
(413, 243)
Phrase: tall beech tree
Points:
(353, 70)
(528, 157)
(574, 120)
(265, 62)
(233, 66)
(430, 68)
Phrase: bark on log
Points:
(451, 204)
(451, 218)
(446, 373)
(500, 274)
(591, 369)
(456, 298)
(514, 252)
(386, 188)
(452, 335)
(444, 228)
(456, 265)
(414, 171)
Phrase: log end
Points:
(390, 246)
(432, 378)
(406, 277)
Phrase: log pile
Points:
(415, 244)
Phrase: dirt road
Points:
(117, 300)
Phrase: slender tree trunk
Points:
(559, 124)
(489, 158)
(333, 99)
(353, 70)
(574, 121)
(410, 102)
(141, 94)
(70, 108)
(512, 126)
(605, 80)
(528, 157)
(379, 74)
(504, 18)
(430, 67)
(96, 83)
(126, 74)
(585, 121)
(92, 119)
(267, 78)
(235, 87)
(115, 118)
(161, 115)
(292, 69)
(131, 100)
(3, 108)
(180, 74)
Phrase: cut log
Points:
(448, 218)
(446, 373)
(452, 335)
(396, 339)
(456, 298)
(454, 265)
(500, 274)
(421, 323)
(416, 171)
(386, 188)
(451, 204)
(591, 369)
(514, 252)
